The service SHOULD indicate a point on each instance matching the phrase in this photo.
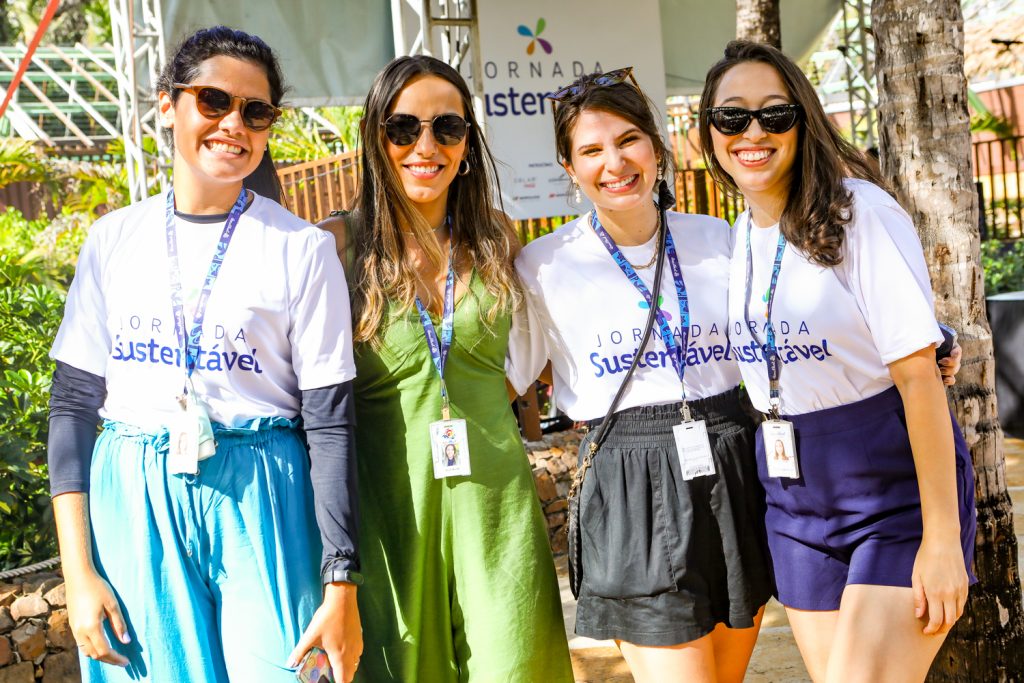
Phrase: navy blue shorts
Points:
(854, 515)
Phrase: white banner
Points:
(530, 48)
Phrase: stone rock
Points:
(557, 506)
(34, 582)
(556, 451)
(561, 489)
(56, 596)
(559, 542)
(545, 486)
(6, 653)
(556, 520)
(29, 641)
(19, 673)
(8, 594)
(58, 632)
(62, 668)
(47, 584)
(6, 622)
(29, 606)
(556, 467)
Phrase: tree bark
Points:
(758, 20)
(924, 129)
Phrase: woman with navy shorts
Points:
(201, 325)
(871, 513)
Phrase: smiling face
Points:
(427, 168)
(760, 163)
(217, 152)
(613, 161)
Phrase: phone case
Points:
(315, 668)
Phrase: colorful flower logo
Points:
(661, 300)
(449, 433)
(534, 37)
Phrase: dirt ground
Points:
(776, 658)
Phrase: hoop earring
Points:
(464, 170)
(577, 193)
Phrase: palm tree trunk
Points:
(758, 20)
(924, 128)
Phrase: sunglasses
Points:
(214, 103)
(603, 81)
(734, 120)
(404, 129)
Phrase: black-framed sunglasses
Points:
(604, 80)
(777, 118)
(214, 103)
(404, 129)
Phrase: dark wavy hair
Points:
(480, 227)
(184, 63)
(622, 99)
(819, 206)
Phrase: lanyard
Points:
(772, 359)
(439, 347)
(676, 352)
(190, 345)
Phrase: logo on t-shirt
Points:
(220, 350)
(661, 300)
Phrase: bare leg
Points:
(693, 662)
(733, 647)
(878, 638)
(814, 633)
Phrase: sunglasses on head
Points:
(777, 118)
(603, 81)
(214, 103)
(404, 129)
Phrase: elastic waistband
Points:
(249, 430)
(656, 422)
(849, 416)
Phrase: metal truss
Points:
(446, 29)
(139, 56)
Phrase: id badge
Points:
(694, 449)
(450, 448)
(780, 449)
(183, 443)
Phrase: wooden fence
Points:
(315, 188)
(998, 171)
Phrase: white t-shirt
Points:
(585, 315)
(836, 328)
(277, 321)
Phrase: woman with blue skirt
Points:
(210, 329)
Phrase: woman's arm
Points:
(939, 577)
(335, 224)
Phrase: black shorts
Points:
(665, 560)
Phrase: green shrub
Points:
(1003, 263)
(36, 265)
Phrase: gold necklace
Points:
(654, 256)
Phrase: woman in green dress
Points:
(459, 581)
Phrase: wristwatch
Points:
(346, 575)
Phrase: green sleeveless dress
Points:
(460, 585)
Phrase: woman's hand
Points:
(335, 628)
(91, 601)
(939, 582)
(950, 365)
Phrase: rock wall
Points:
(35, 639)
(554, 464)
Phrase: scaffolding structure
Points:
(446, 29)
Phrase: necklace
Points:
(654, 256)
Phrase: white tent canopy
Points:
(331, 49)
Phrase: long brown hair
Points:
(479, 227)
(819, 206)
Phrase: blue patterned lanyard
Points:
(772, 358)
(439, 347)
(190, 345)
(676, 352)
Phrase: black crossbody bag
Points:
(573, 526)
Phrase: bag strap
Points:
(664, 200)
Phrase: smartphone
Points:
(315, 668)
(948, 339)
